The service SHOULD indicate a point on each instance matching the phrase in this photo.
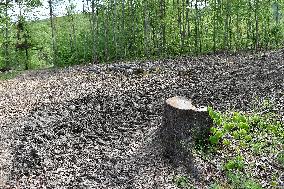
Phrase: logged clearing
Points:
(95, 126)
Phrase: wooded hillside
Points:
(106, 30)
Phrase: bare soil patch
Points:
(95, 126)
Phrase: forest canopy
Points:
(106, 30)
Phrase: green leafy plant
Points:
(228, 126)
(235, 179)
(258, 134)
(244, 125)
(181, 181)
(238, 118)
(8, 75)
(250, 184)
(280, 158)
(257, 147)
(226, 142)
(216, 136)
(248, 138)
(240, 126)
(215, 186)
(239, 181)
(236, 163)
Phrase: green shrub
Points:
(181, 181)
(239, 181)
(280, 157)
(236, 163)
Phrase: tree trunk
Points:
(180, 27)
(73, 41)
(145, 27)
(214, 26)
(106, 24)
(123, 30)
(163, 26)
(187, 24)
(196, 27)
(52, 31)
(238, 35)
(92, 28)
(115, 28)
(133, 23)
(256, 25)
(7, 62)
(26, 53)
(183, 125)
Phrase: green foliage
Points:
(239, 181)
(8, 75)
(215, 186)
(250, 184)
(122, 29)
(239, 118)
(236, 163)
(216, 136)
(226, 142)
(257, 147)
(181, 182)
(241, 134)
(242, 127)
(280, 158)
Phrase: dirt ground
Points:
(95, 126)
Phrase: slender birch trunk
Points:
(180, 27)
(52, 26)
(214, 26)
(145, 26)
(187, 22)
(163, 25)
(115, 27)
(196, 27)
(256, 24)
(7, 62)
(238, 35)
(123, 29)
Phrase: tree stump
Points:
(183, 125)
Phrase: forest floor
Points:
(95, 126)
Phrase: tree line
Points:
(106, 30)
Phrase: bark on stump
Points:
(183, 125)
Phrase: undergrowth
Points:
(249, 142)
(253, 137)
(8, 75)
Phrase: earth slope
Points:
(95, 126)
